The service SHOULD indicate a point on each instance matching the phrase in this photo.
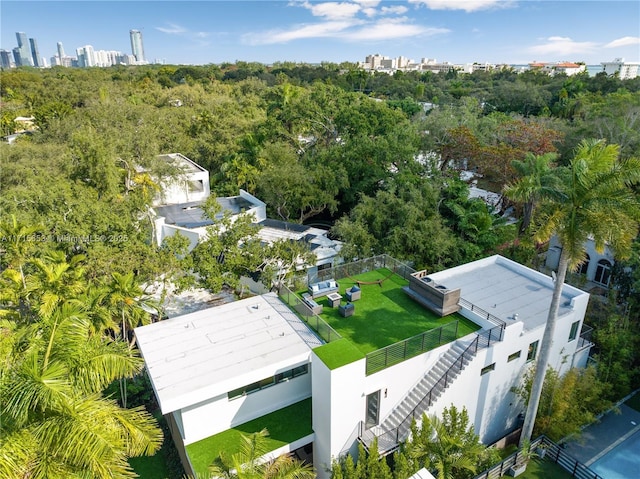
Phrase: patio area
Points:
(384, 314)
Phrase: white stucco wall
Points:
(179, 190)
(338, 404)
(220, 413)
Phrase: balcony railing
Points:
(585, 337)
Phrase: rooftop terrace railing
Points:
(482, 313)
(408, 348)
(364, 266)
(319, 325)
(553, 452)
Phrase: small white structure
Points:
(218, 368)
(190, 183)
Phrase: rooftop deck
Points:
(385, 314)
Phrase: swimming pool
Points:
(622, 462)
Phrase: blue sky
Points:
(266, 31)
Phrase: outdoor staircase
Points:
(396, 426)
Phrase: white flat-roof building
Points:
(178, 208)
(624, 70)
(220, 368)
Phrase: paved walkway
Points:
(600, 438)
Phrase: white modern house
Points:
(255, 361)
(178, 208)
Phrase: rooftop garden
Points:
(285, 426)
(385, 314)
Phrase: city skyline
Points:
(201, 32)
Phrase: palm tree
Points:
(536, 178)
(56, 279)
(248, 462)
(18, 240)
(447, 445)
(593, 199)
(129, 302)
(127, 299)
(54, 423)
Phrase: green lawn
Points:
(284, 425)
(542, 469)
(385, 314)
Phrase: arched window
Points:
(584, 266)
(603, 272)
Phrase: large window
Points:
(603, 272)
(268, 382)
(533, 351)
(573, 334)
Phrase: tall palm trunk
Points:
(123, 379)
(545, 351)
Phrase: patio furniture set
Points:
(330, 289)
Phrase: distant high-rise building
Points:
(23, 57)
(136, 45)
(35, 54)
(86, 56)
(5, 59)
(61, 54)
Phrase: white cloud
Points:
(563, 47)
(316, 30)
(466, 5)
(197, 38)
(172, 29)
(350, 21)
(332, 10)
(368, 3)
(390, 29)
(395, 10)
(623, 42)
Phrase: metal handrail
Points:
(408, 348)
(481, 341)
(481, 312)
(315, 322)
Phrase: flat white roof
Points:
(204, 354)
(503, 288)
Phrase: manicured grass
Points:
(284, 425)
(338, 353)
(543, 469)
(385, 314)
